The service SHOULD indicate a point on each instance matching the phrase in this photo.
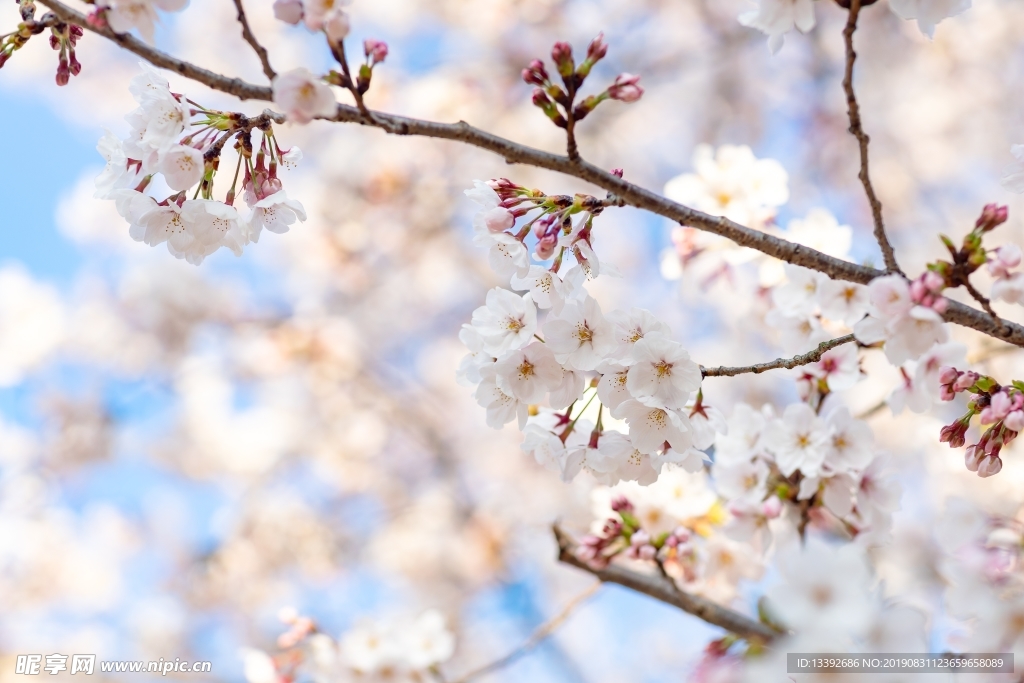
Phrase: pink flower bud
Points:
(649, 552)
(954, 434)
(54, 42)
(288, 11)
(989, 466)
(1015, 421)
(992, 216)
(540, 98)
(376, 50)
(536, 74)
(626, 88)
(946, 393)
(338, 26)
(74, 65)
(934, 282)
(561, 54)
(546, 247)
(1001, 405)
(772, 507)
(940, 305)
(498, 219)
(617, 172)
(948, 374)
(640, 538)
(63, 73)
(671, 541)
(597, 49)
(918, 291)
(965, 381)
(621, 504)
(972, 458)
(682, 533)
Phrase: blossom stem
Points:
(857, 129)
(250, 38)
(786, 363)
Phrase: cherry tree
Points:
(767, 511)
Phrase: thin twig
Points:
(250, 38)
(665, 590)
(862, 139)
(787, 363)
(625, 193)
(543, 632)
(981, 299)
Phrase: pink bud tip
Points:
(546, 247)
(597, 49)
(972, 458)
(288, 11)
(989, 466)
(1014, 421)
(376, 50)
(772, 507)
(617, 172)
(649, 552)
(948, 374)
(626, 88)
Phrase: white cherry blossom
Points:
(632, 327)
(529, 373)
(580, 335)
(469, 368)
(845, 302)
(798, 296)
(776, 18)
(852, 443)
(568, 389)
(799, 440)
(502, 407)
(507, 321)
(182, 166)
(611, 388)
(663, 374)
(651, 427)
(276, 213)
(302, 96)
(928, 13)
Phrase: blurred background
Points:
(186, 450)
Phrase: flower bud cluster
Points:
(1000, 407)
(317, 15)
(558, 102)
(627, 537)
(63, 37)
(1008, 286)
(165, 140)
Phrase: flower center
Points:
(525, 369)
(513, 324)
(663, 368)
(584, 333)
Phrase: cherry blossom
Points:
(507, 321)
(502, 407)
(276, 212)
(182, 167)
(800, 440)
(634, 326)
(663, 374)
(650, 428)
(776, 18)
(908, 329)
(547, 289)
(302, 96)
(124, 15)
(928, 13)
(580, 335)
(528, 373)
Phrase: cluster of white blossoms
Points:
(809, 307)
(165, 142)
(623, 363)
(382, 649)
(776, 18)
(768, 465)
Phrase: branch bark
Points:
(623, 192)
(857, 129)
(250, 38)
(787, 363)
(665, 590)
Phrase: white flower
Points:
(1009, 289)
(743, 483)
(913, 334)
(320, 12)
(732, 183)
(160, 119)
(798, 296)
(908, 330)
(928, 12)
(632, 327)
(276, 213)
(116, 174)
(167, 224)
(469, 369)
(623, 461)
(570, 388)
(502, 407)
(851, 447)
(920, 388)
(124, 15)
(743, 439)
(182, 166)
(877, 489)
(258, 666)
(650, 428)
(800, 440)
(370, 647)
(547, 449)
(506, 321)
(824, 589)
(214, 224)
(706, 424)
(890, 296)
(291, 157)
(580, 335)
(776, 18)
(508, 257)
(529, 373)
(548, 289)
(428, 642)
(302, 96)
(150, 84)
(663, 374)
(839, 367)
(1013, 176)
(820, 231)
(798, 333)
(611, 388)
(846, 302)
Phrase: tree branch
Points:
(260, 51)
(787, 363)
(862, 139)
(624, 193)
(665, 590)
(543, 632)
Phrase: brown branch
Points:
(260, 51)
(787, 363)
(624, 192)
(543, 632)
(665, 590)
(862, 139)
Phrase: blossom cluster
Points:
(166, 142)
(1000, 407)
(317, 15)
(776, 18)
(623, 363)
(124, 15)
(408, 649)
